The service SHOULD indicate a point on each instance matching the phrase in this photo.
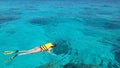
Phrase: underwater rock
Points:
(90, 32)
(116, 50)
(101, 63)
(72, 65)
(47, 65)
(10, 13)
(104, 13)
(7, 19)
(42, 21)
(115, 66)
(14, 9)
(39, 21)
(117, 56)
(62, 47)
(6, 16)
(109, 65)
(31, 8)
(106, 5)
(95, 22)
(118, 39)
(112, 25)
(101, 23)
(10, 32)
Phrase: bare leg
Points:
(25, 52)
(36, 49)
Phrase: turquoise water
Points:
(87, 34)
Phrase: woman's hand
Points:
(51, 53)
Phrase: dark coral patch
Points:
(30, 7)
(99, 22)
(73, 65)
(115, 48)
(70, 65)
(112, 25)
(118, 40)
(43, 21)
(62, 47)
(6, 16)
(115, 66)
(7, 19)
(10, 13)
(106, 6)
(117, 56)
(95, 22)
(105, 13)
(11, 32)
(39, 21)
(14, 9)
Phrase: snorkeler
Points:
(47, 47)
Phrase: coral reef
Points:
(62, 47)
(68, 65)
(112, 25)
(94, 21)
(115, 50)
(6, 16)
(42, 21)
(48, 65)
(72, 65)
(117, 56)
(7, 19)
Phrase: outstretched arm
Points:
(49, 51)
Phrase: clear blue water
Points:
(87, 34)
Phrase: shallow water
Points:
(87, 34)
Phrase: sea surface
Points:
(87, 33)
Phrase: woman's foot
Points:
(11, 58)
(10, 52)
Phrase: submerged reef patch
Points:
(6, 16)
(42, 21)
(63, 47)
(31, 8)
(115, 50)
(117, 56)
(11, 31)
(112, 25)
(10, 13)
(14, 9)
(52, 20)
(94, 21)
(70, 65)
(73, 65)
(48, 65)
(99, 23)
(7, 19)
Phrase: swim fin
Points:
(9, 52)
(11, 58)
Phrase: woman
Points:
(47, 47)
